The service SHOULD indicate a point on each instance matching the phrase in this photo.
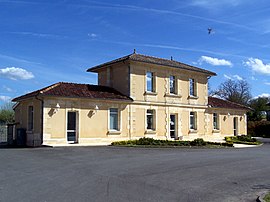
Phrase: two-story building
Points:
(136, 96)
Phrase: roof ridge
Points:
(50, 87)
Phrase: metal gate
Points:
(3, 134)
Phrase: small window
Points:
(215, 121)
(150, 119)
(192, 118)
(114, 120)
(192, 91)
(150, 81)
(30, 118)
(172, 85)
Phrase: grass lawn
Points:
(267, 197)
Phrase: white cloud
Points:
(237, 77)
(267, 83)
(233, 77)
(258, 66)
(210, 4)
(15, 73)
(4, 98)
(92, 35)
(227, 77)
(262, 95)
(253, 78)
(7, 89)
(215, 61)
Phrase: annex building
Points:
(136, 96)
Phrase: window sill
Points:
(172, 95)
(193, 97)
(150, 132)
(215, 130)
(150, 93)
(114, 132)
(192, 131)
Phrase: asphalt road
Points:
(133, 174)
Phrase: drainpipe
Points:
(41, 118)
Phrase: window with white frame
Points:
(192, 121)
(30, 118)
(215, 121)
(150, 119)
(192, 87)
(150, 82)
(172, 85)
(114, 119)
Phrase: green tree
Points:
(234, 91)
(259, 106)
(6, 113)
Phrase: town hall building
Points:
(136, 96)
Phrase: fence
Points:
(3, 134)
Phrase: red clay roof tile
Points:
(153, 60)
(63, 89)
(220, 103)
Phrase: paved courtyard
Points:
(133, 174)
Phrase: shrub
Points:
(154, 142)
(198, 142)
(243, 139)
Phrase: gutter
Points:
(41, 118)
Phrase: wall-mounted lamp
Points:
(56, 108)
(95, 110)
(229, 115)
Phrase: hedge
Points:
(259, 128)
(154, 142)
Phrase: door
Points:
(235, 126)
(71, 127)
(173, 126)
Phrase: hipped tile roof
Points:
(152, 60)
(74, 90)
(220, 103)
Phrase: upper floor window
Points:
(30, 118)
(172, 85)
(192, 87)
(192, 121)
(215, 121)
(150, 117)
(150, 82)
(114, 119)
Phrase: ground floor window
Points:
(192, 118)
(150, 117)
(215, 121)
(114, 119)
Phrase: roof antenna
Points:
(134, 51)
(171, 58)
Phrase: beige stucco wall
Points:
(33, 137)
(92, 126)
(116, 76)
(225, 120)
(161, 74)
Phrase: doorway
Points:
(72, 127)
(173, 126)
(235, 126)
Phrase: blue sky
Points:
(44, 42)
